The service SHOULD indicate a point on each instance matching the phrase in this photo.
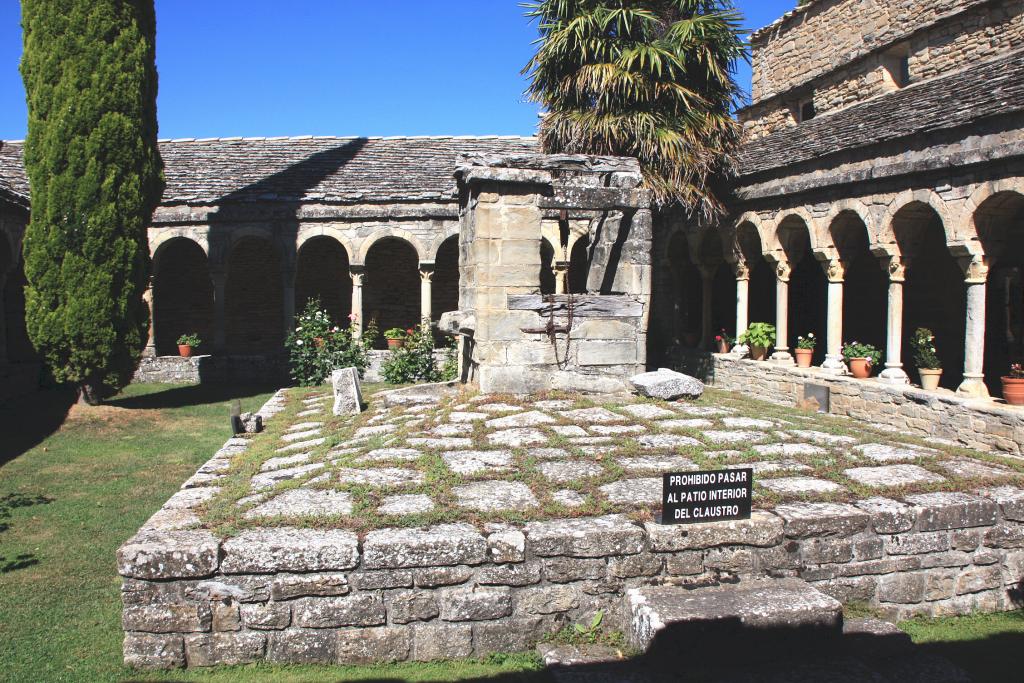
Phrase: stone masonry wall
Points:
(293, 595)
(839, 67)
(973, 423)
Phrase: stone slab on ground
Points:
(565, 471)
(880, 452)
(410, 504)
(474, 462)
(892, 475)
(489, 496)
(517, 437)
(646, 490)
(800, 485)
(667, 385)
(304, 502)
(684, 618)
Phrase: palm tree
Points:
(651, 79)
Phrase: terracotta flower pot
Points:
(930, 378)
(396, 343)
(803, 357)
(758, 352)
(185, 350)
(861, 367)
(722, 347)
(1013, 390)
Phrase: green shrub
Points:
(94, 168)
(808, 342)
(922, 346)
(414, 361)
(858, 350)
(318, 346)
(759, 334)
(192, 340)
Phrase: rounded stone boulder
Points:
(667, 385)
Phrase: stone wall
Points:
(840, 53)
(517, 340)
(212, 369)
(974, 423)
(290, 595)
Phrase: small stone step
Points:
(762, 616)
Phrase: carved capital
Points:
(356, 273)
(897, 269)
(783, 270)
(975, 269)
(835, 270)
(741, 270)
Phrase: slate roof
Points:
(993, 88)
(330, 169)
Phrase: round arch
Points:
(444, 290)
(915, 200)
(322, 272)
(182, 295)
(338, 235)
(391, 233)
(391, 288)
(254, 296)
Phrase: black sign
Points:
(689, 497)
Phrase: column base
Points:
(834, 365)
(782, 357)
(894, 374)
(973, 387)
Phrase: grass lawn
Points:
(77, 482)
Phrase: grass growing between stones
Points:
(987, 646)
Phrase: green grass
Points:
(77, 482)
(987, 646)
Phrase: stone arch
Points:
(322, 271)
(788, 219)
(687, 296)
(934, 295)
(749, 246)
(546, 276)
(444, 290)
(182, 295)
(998, 225)
(395, 233)
(808, 306)
(254, 296)
(337, 234)
(848, 208)
(713, 257)
(579, 265)
(391, 289)
(866, 284)
(915, 200)
(442, 240)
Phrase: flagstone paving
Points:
(509, 458)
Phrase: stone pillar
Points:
(894, 373)
(782, 354)
(707, 283)
(976, 280)
(220, 280)
(426, 273)
(742, 273)
(835, 271)
(356, 272)
(561, 277)
(288, 286)
(147, 297)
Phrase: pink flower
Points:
(352, 316)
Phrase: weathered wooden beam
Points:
(583, 305)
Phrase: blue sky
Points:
(333, 67)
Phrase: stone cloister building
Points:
(880, 188)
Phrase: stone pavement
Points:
(503, 458)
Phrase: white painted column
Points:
(976, 281)
(894, 372)
(288, 288)
(220, 280)
(357, 273)
(742, 273)
(707, 284)
(426, 273)
(835, 271)
(561, 269)
(782, 354)
(147, 298)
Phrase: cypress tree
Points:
(89, 68)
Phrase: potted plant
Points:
(723, 341)
(187, 343)
(862, 358)
(759, 337)
(805, 350)
(1013, 385)
(396, 337)
(926, 358)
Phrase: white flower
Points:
(298, 342)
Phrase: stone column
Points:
(147, 297)
(288, 286)
(894, 373)
(976, 279)
(742, 273)
(707, 283)
(426, 273)
(835, 271)
(356, 272)
(561, 277)
(782, 354)
(220, 280)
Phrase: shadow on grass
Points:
(8, 503)
(198, 394)
(26, 421)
